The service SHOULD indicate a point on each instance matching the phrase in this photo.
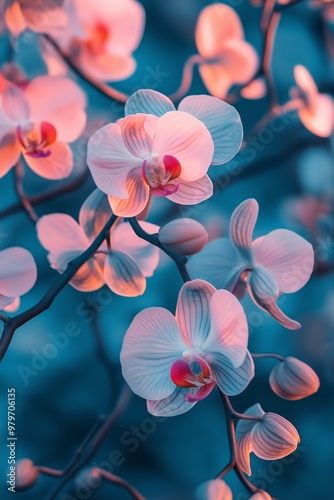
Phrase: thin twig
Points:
(264, 355)
(187, 77)
(267, 56)
(120, 482)
(25, 202)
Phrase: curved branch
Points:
(187, 77)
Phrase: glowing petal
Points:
(231, 381)
(216, 489)
(9, 153)
(173, 405)
(123, 276)
(94, 213)
(149, 102)
(263, 285)
(56, 164)
(18, 271)
(191, 193)
(137, 198)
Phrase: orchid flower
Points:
(18, 274)
(102, 36)
(123, 266)
(229, 59)
(269, 436)
(317, 110)
(45, 17)
(175, 361)
(38, 121)
(280, 262)
(216, 489)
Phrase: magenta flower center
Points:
(34, 138)
(160, 174)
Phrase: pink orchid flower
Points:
(18, 274)
(41, 17)
(280, 262)
(216, 489)
(317, 110)
(123, 266)
(270, 437)
(229, 59)
(38, 121)
(102, 37)
(175, 361)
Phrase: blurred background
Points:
(61, 391)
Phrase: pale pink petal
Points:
(263, 285)
(59, 101)
(173, 405)
(193, 311)
(123, 276)
(229, 330)
(58, 165)
(278, 314)
(123, 239)
(15, 104)
(18, 271)
(186, 138)
(191, 193)
(319, 118)
(231, 381)
(288, 257)
(106, 67)
(216, 24)
(94, 213)
(151, 344)
(239, 60)
(12, 306)
(242, 224)
(261, 495)
(150, 102)
(47, 20)
(304, 80)
(59, 233)
(137, 199)
(135, 136)
(216, 489)
(87, 279)
(257, 89)
(54, 63)
(9, 153)
(274, 437)
(216, 79)
(244, 451)
(222, 121)
(14, 19)
(110, 161)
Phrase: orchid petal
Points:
(223, 122)
(94, 213)
(151, 344)
(137, 198)
(191, 193)
(88, 278)
(319, 119)
(288, 257)
(135, 136)
(216, 79)
(173, 405)
(216, 489)
(149, 102)
(263, 285)
(231, 381)
(9, 153)
(202, 393)
(242, 224)
(123, 275)
(245, 426)
(276, 313)
(57, 164)
(244, 447)
(15, 104)
(59, 233)
(182, 375)
(18, 271)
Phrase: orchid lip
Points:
(158, 174)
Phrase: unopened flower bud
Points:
(216, 489)
(184, 236)
(293, 379)
(26, 473)
(261, 495)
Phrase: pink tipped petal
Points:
(151, 344)
(135, 136)
(94, 213)
(173, 405)
(15, 104)
(186, 138)
(59, 233)
(87, 279)
(263, 285)
(182, 375)
(245, 426)
(216, 489)
(231, 381)
(228, 329)
(244, 450)
(12, 305)
(193, 311)
(257, 89)
(219, 263)
(216, 79)
(110, 161)
(57, 163)
(191, 193)
(288, 257)
(18, 271)
(239, 60)
(106, 67)
(319, 119)
(304, 80)
(137, 198)
(292, 379)
(202, 393)
(123, 239)
(9, 153)
(216, 24)
(149, 102)
(222, 121)
(242, 224)
(274, 437)
(66, 113)
(276, 313)
(123, 275)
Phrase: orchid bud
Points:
(216, 489)
(260, 495)
(26, 473)
(292, 379)
(184, 236)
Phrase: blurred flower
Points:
(292, 379)
(317, 110)
(216, 489)
(41, 17)
(26, 473)
(270, 437)
(260, 495)
(38, 122)
(317, 181)
(101, 37)
(18, 274)
(221, 119)
(280, 262)
(229, 59)
(124, 266)
(257, 89)
(143, 154)
(175, 361)
(184, 236)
